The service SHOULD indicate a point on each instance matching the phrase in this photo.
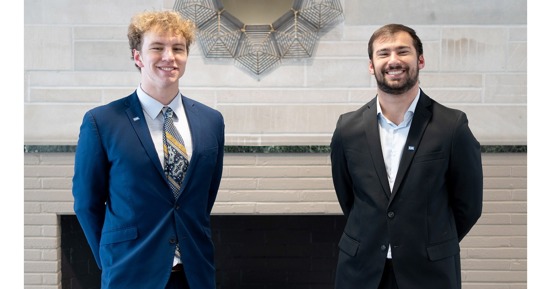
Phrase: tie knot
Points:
(169, 113)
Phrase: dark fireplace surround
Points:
(252, 252)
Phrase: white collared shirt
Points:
(392, 139)
(153, 111)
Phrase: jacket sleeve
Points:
(465, 178)
(90, 183)
(340, 174)
(216, 178)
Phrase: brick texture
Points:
(494, 254)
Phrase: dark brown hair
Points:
(392, 29)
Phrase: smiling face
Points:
(395, 63)
(162, 61)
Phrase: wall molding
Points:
(270, 149)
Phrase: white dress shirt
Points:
(153, 111)
(154, 116)
(392, 139)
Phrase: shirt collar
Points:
(411, 108)
(153, 107)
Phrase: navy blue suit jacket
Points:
(125, 206)
(436, 198)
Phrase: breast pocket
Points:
(206, 157)
(427, 157)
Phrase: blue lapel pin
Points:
(136, 118)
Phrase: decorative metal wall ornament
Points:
(199, 11)
(220, 36)
(321, 13)
(295, 37)
(258, 51)
(259, 48)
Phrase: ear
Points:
(421, 62)
(371, 67)
(137, 58)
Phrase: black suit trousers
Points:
(177, 281)
(388, 277)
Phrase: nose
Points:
(394, 57)
(168, 54)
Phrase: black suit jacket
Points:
(436, 198)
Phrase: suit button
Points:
(177, 207)
(391, 215)
(383, 248)
(173, 241)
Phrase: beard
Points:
(399, 87)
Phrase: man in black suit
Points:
(407, 173)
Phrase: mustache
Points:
(396, 66)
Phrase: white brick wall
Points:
(494, 254)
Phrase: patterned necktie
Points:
(175, 155)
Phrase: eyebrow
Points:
(163, 44)
(402, 47)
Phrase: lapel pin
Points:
(411, 148)
(136, 118)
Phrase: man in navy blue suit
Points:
(144, 233)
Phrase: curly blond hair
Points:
(161, 21)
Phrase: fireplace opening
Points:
(252, 252)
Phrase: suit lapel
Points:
(195, 128)
(422, 116)
(137, 119)
(370, 119)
